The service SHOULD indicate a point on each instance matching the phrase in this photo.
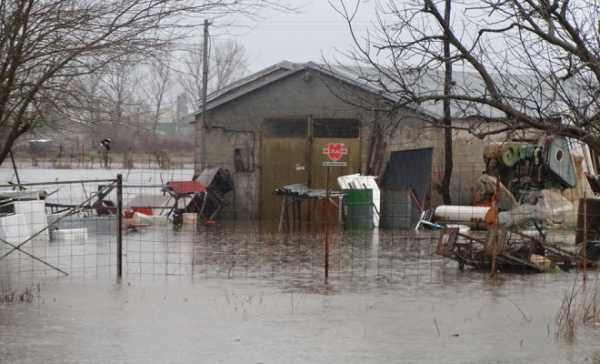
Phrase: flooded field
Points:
(241, 293)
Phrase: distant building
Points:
(171, 124)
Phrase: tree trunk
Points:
(447, 121)
(376, 150)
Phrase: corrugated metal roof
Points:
(525, 92)
(285, 69)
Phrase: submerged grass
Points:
(580, 306)
(11, 295)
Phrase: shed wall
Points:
(238, 124)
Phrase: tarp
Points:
(410, 170)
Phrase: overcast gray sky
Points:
(314, 30)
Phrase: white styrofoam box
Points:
(15, 228)
(35, 212)
(106, 224)
(70, 235)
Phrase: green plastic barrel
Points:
(358, 209)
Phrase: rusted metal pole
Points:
(495, 231)
(585, 237)
(119, 226)
(326, 226)
(12, 159)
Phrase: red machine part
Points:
(186, 187)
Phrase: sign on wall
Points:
(335, 152)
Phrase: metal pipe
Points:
(34, 257)
(326, 227)
(12, 159)
(145, 186)
(585, 237)
(119, 226)
(60, 183)
(475, 214)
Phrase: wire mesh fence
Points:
(63, 228)
(242, 250)
(88, 157)
(363, 231)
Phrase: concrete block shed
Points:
(269, 130)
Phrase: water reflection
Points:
(246, 294)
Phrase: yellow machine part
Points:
(493, 151)
(506, 153)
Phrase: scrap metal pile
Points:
(200, 199)
(523, 194)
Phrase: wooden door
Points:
(283, 163)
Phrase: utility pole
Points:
(203, 127)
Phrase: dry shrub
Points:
(579, 306)
(10, 295)
(589, 307)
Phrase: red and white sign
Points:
(335, 151)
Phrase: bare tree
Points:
(119, 105)
(159, 85)
(90, 103)
(44, 45)
(118, 91)
(526, 64)
(228, 61)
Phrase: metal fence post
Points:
(119, 226)
(585, 237)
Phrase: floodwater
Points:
(239, 293)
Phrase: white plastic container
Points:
(15, 228)
(35, 215)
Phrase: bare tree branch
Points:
(45, 45)
(526, 64)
